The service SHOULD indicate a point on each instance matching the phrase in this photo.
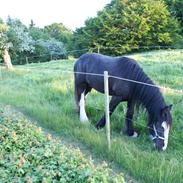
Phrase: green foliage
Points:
(176, 9)
(127, 25)
(46, 47)
(27, 155)
(34, 43)
(60, 33)
(3, 35)
(48, 50)
(19, 38)
(38, 33)
(3, 39)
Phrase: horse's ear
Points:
(168, 107)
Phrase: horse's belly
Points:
(115, 89)
(99, 86)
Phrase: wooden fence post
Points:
(106, 89)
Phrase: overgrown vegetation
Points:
(45, 92)
(176, 9)
(28, 155)
(127, 25)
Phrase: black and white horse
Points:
(149, 96)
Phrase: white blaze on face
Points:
(83, 116)
(166, 133)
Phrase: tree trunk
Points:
(7, 59)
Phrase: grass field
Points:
(44, 92)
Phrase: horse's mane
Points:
(148, 96)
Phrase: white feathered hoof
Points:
(135, 135)
(83, 116)
(84, 119)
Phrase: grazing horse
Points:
(89, 69)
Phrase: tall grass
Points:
(44, 92)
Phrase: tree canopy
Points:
(176, 9)
(37, 44)
(125, 25)
(60, 33)
(3, 35)
(19, 38)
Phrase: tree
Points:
(32, 24)
(18, 35)
(176, 9)
(4, 45)
(125, 25)
(48, 49)
(59, 32)
(38, 33)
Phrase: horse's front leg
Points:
(112, 106)
(129, 117)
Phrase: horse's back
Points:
(98, 63)
(90, 67)
(92, 58)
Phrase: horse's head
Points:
(160, 129)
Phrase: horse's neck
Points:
(154, 109)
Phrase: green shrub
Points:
(28, 155)
(126, 25)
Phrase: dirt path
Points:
(11, 112)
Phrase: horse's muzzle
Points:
(159, 144)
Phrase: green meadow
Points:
(44, 92)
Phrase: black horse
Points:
(148, 95)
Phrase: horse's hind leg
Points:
(77, 94)
(80, 92)
(129, 116)
(82, 112)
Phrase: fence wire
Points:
(124, 79)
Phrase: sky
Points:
(72, 13)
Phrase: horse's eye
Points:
(165, 115)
